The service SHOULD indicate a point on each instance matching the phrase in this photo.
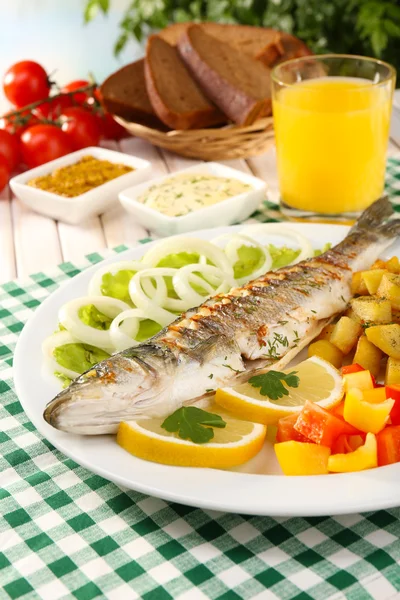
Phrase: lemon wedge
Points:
(319, 382)
(233, 445)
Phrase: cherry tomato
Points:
(109, 128)
(4, 173)
(26, 82)
(16, 125)
(81, 127)
(80, 97)
(53, 109)
(9, 149)
(42, 143)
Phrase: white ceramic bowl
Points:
(96, 201)
(229, 211)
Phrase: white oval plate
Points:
(256, 488)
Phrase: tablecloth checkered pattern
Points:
(67, 533)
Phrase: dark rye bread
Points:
(237, 83)
(124, 94)
(292, 47)
(175, 96)
(259, 42)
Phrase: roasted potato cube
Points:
(389, 288)
(371, 309)
(358, 287)
(345, 334)
(395, 316)
(326, 350)
(326, 332)
(368, 355)
(352, 315)
(393, 265)
(386, 337)
(392, 374)
(379, 264)
(372, 279)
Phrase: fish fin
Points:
(375, 219)
(205, 350)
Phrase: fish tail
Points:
(375, 219)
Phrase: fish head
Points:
(129, 385)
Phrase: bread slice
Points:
(259, 42)
(266, 45)
(176, 97)
(124, 94)
(237, 83)
(292, 47)
(173, 32)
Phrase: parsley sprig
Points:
(192, 423)
(271, 383)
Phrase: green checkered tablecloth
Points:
(66, 533)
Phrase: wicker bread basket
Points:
(231, 141)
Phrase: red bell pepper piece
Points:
(347, 443)
(338, 411)
(393, 391)
(286, 431)
(321, 426)
(354, 368)
(388, 441)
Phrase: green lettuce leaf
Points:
(90, 315)
(282, 256)
(250, 259)
(117, 285)
(324, 248)
(176, 261)
(78, 357)
(65, 381)
(147, 329)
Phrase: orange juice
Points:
(331, 137)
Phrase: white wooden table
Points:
(30, 242)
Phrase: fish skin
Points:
(262, 324)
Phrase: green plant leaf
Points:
(379, 41)
(90, 11)
(364, 27)
(120, 43)
(392, 28)
(271, 383)
(192, 423)
(104, 5)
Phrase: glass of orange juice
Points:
(331, 119)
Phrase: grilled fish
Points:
(263, 324)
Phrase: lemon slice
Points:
(319, 382)
(233, 445)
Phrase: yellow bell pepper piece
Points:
(365, 457)
(375, 396)
(361, 380)
(301, 458)
(366, 416)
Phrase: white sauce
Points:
(182, 194)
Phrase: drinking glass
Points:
(331, 119)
